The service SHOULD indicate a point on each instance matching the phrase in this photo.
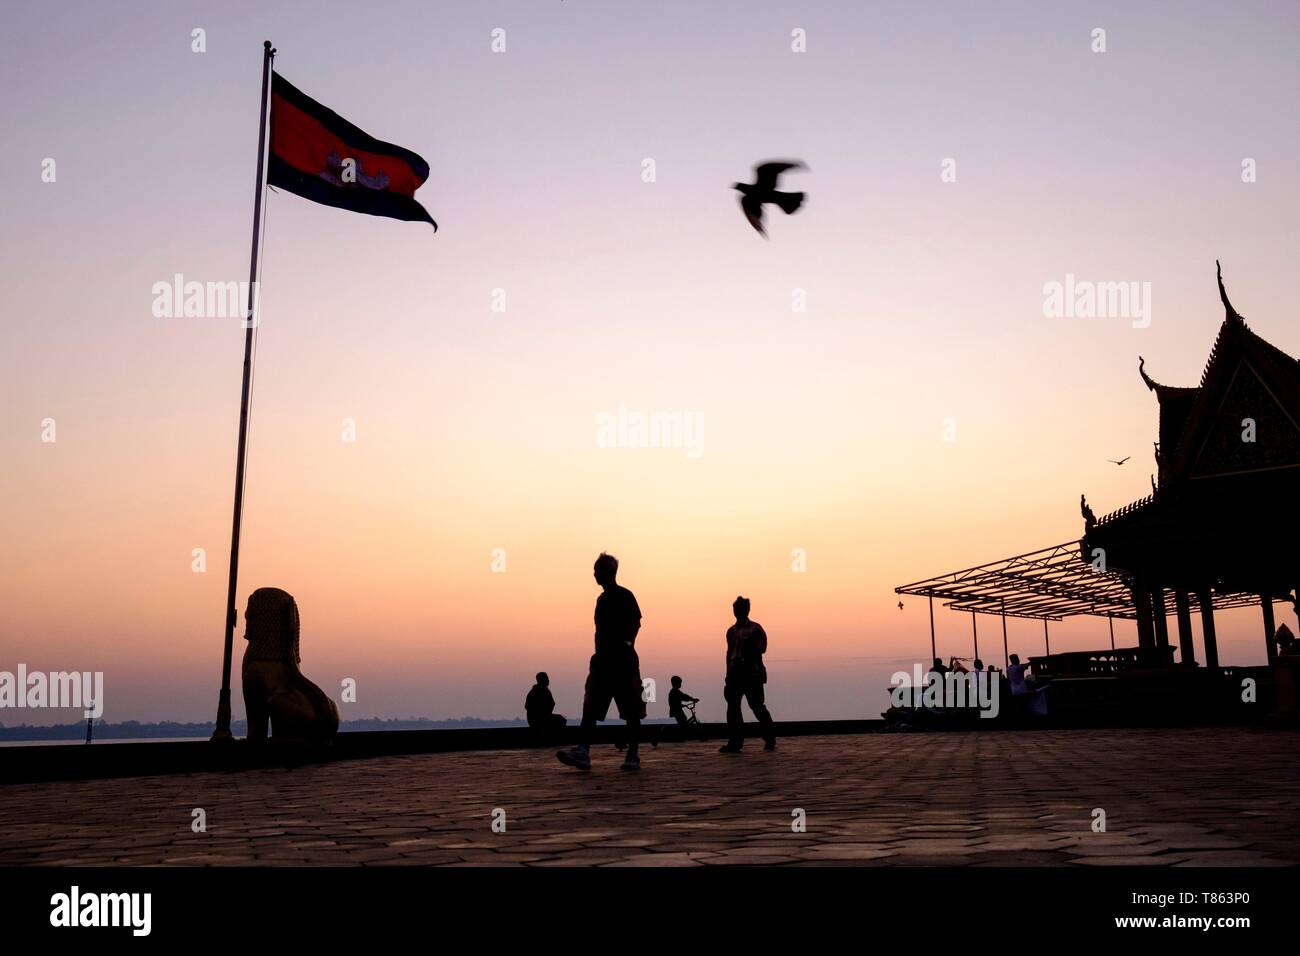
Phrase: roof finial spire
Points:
(1223, 294)
(1143, 372)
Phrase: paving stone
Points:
(1204, 797)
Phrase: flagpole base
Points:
(222, 731)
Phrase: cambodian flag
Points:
(320, 156)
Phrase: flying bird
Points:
(1121, 461)
(754, 196)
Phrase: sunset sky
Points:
(477, 430)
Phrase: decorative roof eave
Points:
(1142, 505)
(1162, 391)
(1230, 314)
(1231, 317)
(1232, 321)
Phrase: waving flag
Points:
(320, 156)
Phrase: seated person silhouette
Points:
(1287, 645)
(677, 697)
(1031, 700)
(274, 688)
(539, 706)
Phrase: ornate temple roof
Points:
(1189, 414)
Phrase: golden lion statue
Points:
(274, 687)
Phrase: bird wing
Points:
(753, 210)
(766, 174)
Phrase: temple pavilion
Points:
(1220, 529)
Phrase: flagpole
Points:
(222, 731)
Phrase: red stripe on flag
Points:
(301, 141)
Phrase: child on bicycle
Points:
(676, 698)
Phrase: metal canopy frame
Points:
(1047, 585)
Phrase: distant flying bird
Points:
(755, 195)
(1121, 461)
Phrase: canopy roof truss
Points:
(1050, 584)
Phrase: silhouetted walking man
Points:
(539, 706)
(615, 672)
(746, 675)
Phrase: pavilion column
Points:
(933, 652)
(1142, 604)
(1206, 600)
(1184, 610)
(1159, 617)
(1006, 654)
(1266, 601)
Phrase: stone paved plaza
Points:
(1172, 797)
